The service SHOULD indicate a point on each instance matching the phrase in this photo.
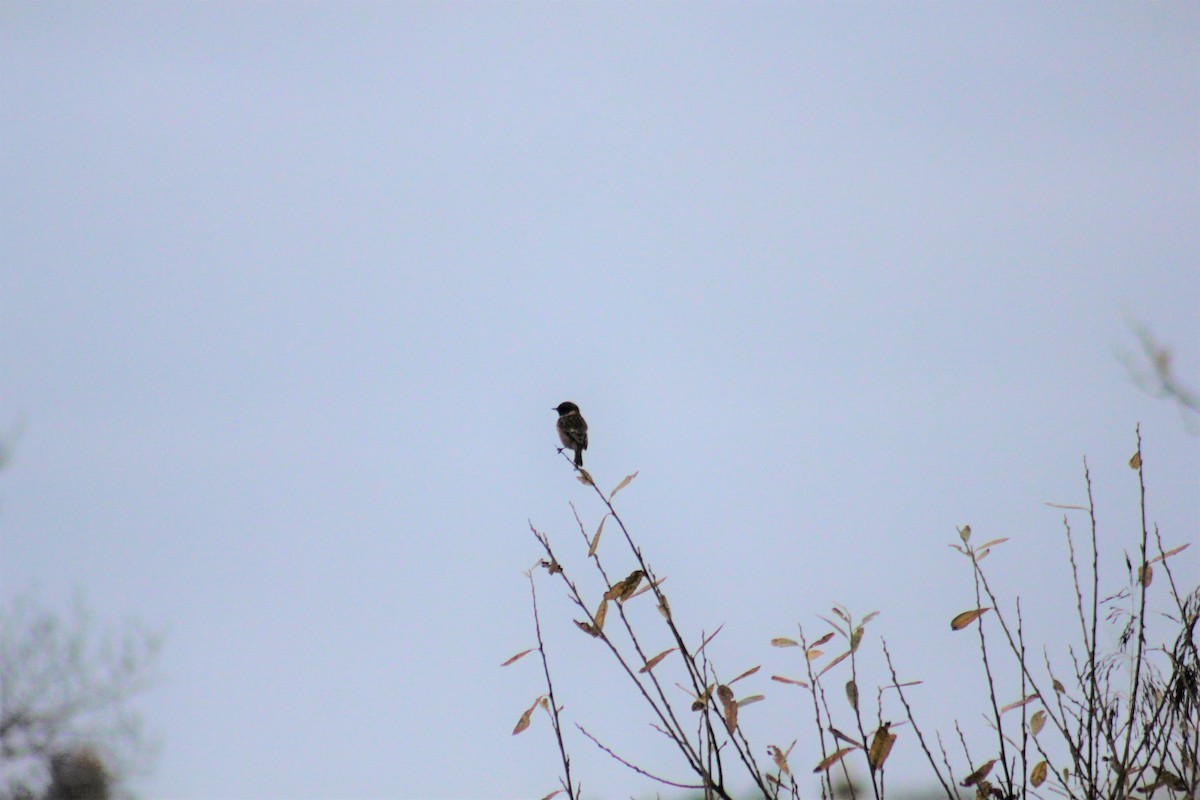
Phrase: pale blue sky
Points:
(287, 292)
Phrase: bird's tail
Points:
(579, 458)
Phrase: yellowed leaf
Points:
(881, 746)
(792, 681)
(832, 759)
(966, 618)
(751, 700)
(729, 707)
(523, 722)
(1037, 722)
(595, 543)
(601, 613)
(652, 663)
(979, 774)
(625, 482)
(813, 654)
(623, 590)
(1136, 461)
(518, 656)
(780, 758)
(856, 638)
(965, 533)
(782, 641)
(1038, 776)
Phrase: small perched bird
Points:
(572, 430)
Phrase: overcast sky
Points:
(288, 290)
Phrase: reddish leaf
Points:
(1020, 702)
(792, 681)
(518, 656)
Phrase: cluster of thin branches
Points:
(703, 726)
(1115, 724)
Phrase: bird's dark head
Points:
(566, 408)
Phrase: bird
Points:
(572, 430)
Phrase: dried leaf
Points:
(965, 533)
(623, 590)
(553, 567)
(966, 618)
(552, 794)
(832, 759)
(648, 587)
(751, 700)
(664, 607)
(822, 640)
(780, 758)
(781, 641)
(518, 656)
(881, 746)
(1038, 776)
(843, 737)
(701, 701)
(1136, 461)
(652, 663)
(1058, 687)
(870, 617)
(833, 624)
(601, 613)
(1145, 575)
(841, 615)
(979, 774)
(729, 707)
(792, 681)
(1070, 508)
(585, 477)
(852, 693)
(523, 722)
(813, 654)
(856, 638)
(628, 479)
(746, 674)
(1021, 702)
(596, 539)
(834, 663)
(1037, 722)
(704, 644)
(1170, 553)
(992, 543)
(587, 628)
